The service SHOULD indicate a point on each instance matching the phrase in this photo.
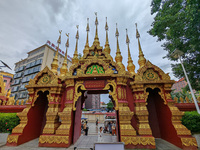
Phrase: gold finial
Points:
(107, 46)
(54, 64)
(106, 26)
(127, 38)
(96, 39)
(75, 58)
(116, 33)
(8, 94)
(142, 59)
(86, 49)
(63, 69)
(118, 57)
(130, 66)
(77, 34)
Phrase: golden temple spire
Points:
(142, 59)
(118, 57)
(96, 39)
(75, 58)
(54, 64)
(107, 47)
(86, 49)
(130, 66)
(63, 69)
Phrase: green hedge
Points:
(8, 121)
(192, 121)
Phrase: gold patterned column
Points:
(52, 122)
(65, 116)
(142, 115)
(125, 116)
(185, 134)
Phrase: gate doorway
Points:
(160, 118)
(92, 116)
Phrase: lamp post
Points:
(177, 54)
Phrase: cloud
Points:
(26, 25)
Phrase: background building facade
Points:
(7, 79)
(92, 101)
(178, 85)
(27, 68)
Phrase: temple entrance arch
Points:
(160, 117)
(33, 119)
(92, 87)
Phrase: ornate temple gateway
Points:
(141, 99)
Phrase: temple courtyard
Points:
(84, 142)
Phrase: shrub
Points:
(84, 109)
(192, 121)
(8, 121)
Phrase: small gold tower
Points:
(86, 49)
(75, 58)
(130, 66)
(118, 57)
(107, 46)
(63, 69)
(54, 64)
(142, 59)
(96, 42)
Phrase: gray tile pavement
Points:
(83, 143)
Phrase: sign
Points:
(52, 45)
(109, 146)
(95, 84)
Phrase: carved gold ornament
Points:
(138, 140)
(12, 138)
(113, 92)
(161, 93)
(189, 141)
(150, 75)
(77, 92)
(54, 139)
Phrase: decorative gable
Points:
(44, 77)
(95, 69)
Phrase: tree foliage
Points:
(177, 23)
(110, 106)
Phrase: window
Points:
(15, 88)
(19, 69)
(33, 64)
(30, 71)
(39, 61)
(24, 94)
(28, 65)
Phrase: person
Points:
(97, 122)
(82, 123)
(85, 127)
(100, 131)
(113, 129)
(109, 127)
(100, 134)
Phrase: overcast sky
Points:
(28, 24)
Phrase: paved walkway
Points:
(83, 143)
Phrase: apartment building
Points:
(27, 68)
(7, 79)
